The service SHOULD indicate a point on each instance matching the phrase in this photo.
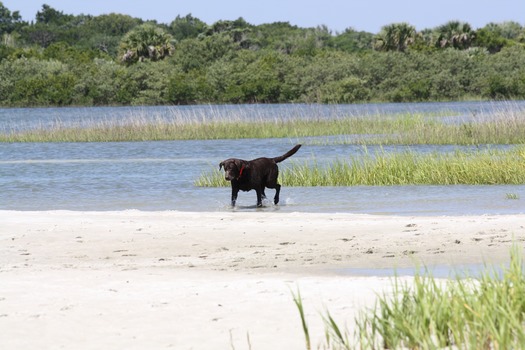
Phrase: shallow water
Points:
(436, 271)
(160, 175)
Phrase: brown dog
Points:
(256, 174)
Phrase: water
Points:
(436, 271)
(161, 175)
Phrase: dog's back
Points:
(265, 163)
(266, 168)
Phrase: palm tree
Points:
(395, 37)
(455, 34)
(146, 42)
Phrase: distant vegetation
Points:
(60, 60)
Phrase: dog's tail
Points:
(287, 154)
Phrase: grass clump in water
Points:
(237, 127)
(407, 168)
(408, 128)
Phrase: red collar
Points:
(240, 172)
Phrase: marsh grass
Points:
(408, 128)
(201, 128)
(299, 304)
(504, 127)
(482, 167)
(470, 313)
(482, 313)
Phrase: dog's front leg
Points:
(235, 192)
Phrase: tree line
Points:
(61, 60)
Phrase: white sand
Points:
(155, 280)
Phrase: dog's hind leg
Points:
(260, 194)
(277, 191)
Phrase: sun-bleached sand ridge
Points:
(214, 280)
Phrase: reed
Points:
(234, 127)
(409, 128)
(481, 313)
(502, 127)
(482, 167)
(299, 304)
(470, 313)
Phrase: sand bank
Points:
(220, 280)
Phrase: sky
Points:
(337, 15)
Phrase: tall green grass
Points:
(482, 167)
(409, 128)
(474, 313)
(504, 127)
(483, 313)
(235, 127)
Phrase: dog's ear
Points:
(239, 164)
(221, 164)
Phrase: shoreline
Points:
(263, 241)
(192, 280)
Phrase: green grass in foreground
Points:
(481, 313)
(487, 167)
(507, 128)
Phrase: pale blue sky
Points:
(337, 15)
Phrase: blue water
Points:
(161, 175)
(436, 271)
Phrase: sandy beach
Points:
(214, 280)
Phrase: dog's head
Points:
(233, 168)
